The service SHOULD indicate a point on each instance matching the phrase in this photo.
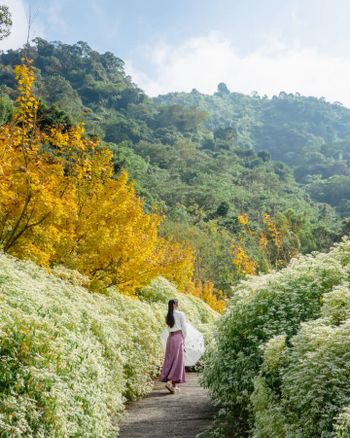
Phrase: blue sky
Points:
(263, 45)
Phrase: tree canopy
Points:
(5, 22)
(247, 181)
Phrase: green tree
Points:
(5, 22)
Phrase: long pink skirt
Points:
(174, 362)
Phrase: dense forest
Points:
(248, 182)
(307, 133)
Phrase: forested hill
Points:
(207, 162)
(309, 134)
(285, 125)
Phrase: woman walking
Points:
(173, 371)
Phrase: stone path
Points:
(164, 415)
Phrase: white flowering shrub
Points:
(313, 392)
(264, 307)
(71, 275)
(69, 359)
(342, 425)
(336, 304)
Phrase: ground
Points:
(164, 415)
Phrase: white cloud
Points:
(205, 61)
(55, 16)
(106, 23)
(19, 12)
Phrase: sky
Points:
(265, 46)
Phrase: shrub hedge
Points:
(70, 358)
(262, 343)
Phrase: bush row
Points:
(279, 366)
(70, 358)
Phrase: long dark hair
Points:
(170, 320)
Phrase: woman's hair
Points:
(170, 320)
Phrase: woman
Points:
(173, 371)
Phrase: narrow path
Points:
(164, 415)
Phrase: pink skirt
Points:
(174, 361)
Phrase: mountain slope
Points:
(196, 157)
(311, 135)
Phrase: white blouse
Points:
(180, 323)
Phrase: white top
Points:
(180, 323)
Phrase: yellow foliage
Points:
(263, 241)
(272, 228)
(273, 244)
(241, 260)
(177, 262)
(59, 204)
(208, 293)
(243, 219)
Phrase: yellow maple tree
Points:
(60, 204)
(33, 195)
(206, 291)
(241, 260)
